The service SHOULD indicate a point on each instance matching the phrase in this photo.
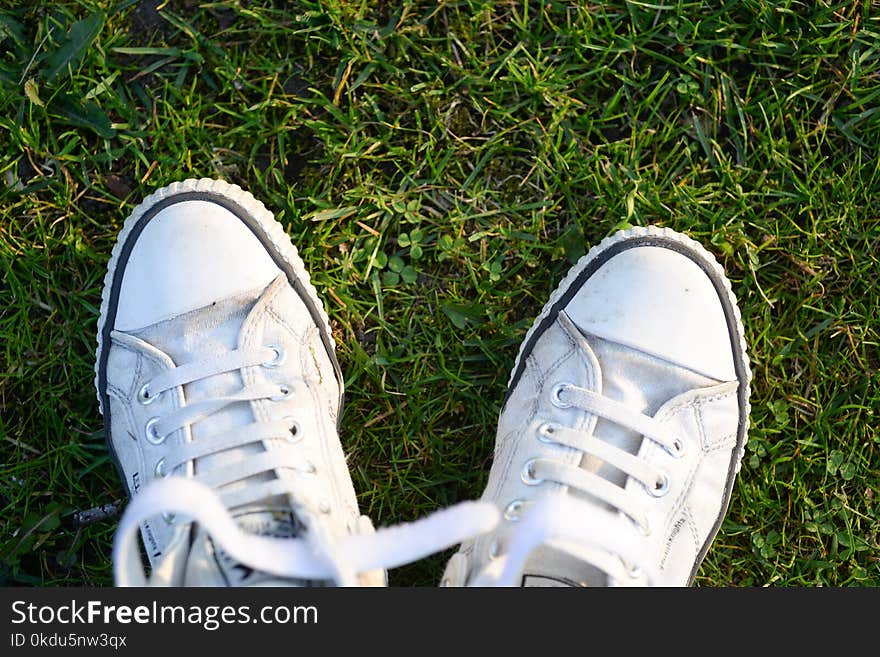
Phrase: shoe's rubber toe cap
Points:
(189, 255)
(662, 302)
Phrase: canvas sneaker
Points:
(624, 424)
(221, 397)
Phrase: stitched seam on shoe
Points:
(503, 441)
(142, 358)
(324, 488)
(138, 370)
(685, 492)
(680, 505)
(326, 457)
(284, 323)
(699, 401)
(531, 371)
(679, 502)
(309, 357)
(534, 368)
(504, 470)
(571, 352)
(720, 447)
(555, 365)
(592, 375)
(704, 438)
(709, 445)
(122, 397)
(132, 428)
(119, 393)
(691, 523)
(248, 374)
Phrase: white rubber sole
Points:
(272, 230)
(667, 234)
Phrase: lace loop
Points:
(315, 556)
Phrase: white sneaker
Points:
(221, 395)
(216, 362)
(624, 424)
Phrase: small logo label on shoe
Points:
(547, 580)
(676, 529)
(261, 523)
(152, 544)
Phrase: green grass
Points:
(440, 166)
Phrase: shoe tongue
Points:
(641, 382)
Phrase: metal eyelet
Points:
(150, 430)
(546, 431)
(677, 449)
(280, 355)
(513, 511)
(144, 396)
(660, 487)
(296, 433)
(527, 474)
(286, 391)
(555, 395)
